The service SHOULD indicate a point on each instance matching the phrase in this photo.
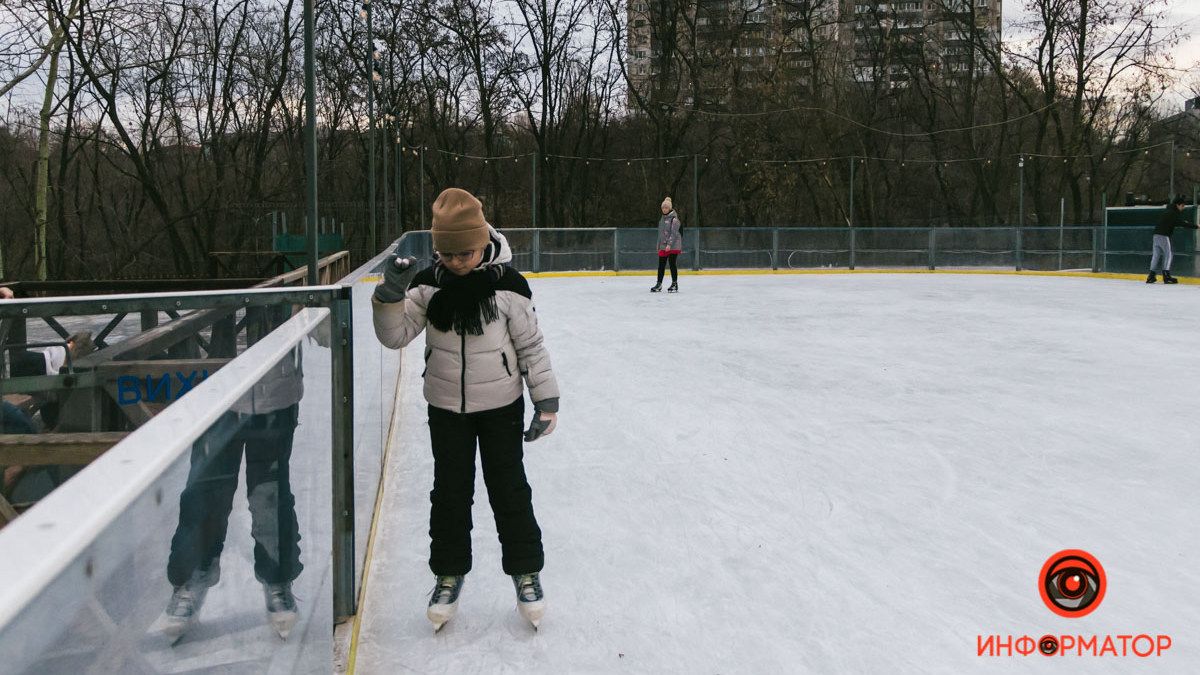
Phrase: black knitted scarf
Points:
(466, 303)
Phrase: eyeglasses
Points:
(465, 255)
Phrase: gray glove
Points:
(539, 427)
(398, 273)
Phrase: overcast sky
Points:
(1182, 13)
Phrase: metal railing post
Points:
(852, 247)
(341, 346)
(1017, 246)
(616, 250)
(931, 248)
(537, 251)
(1095, 248)
(696, 257)
(775, 248)
(1104, 240)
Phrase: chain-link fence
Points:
(1091, 248)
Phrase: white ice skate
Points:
(530, 600)
(443, 602)
(183, 609)
(281, 607)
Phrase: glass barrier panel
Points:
(219, 561)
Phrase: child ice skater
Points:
(1160, 260)
(482, 338)
(670, 245)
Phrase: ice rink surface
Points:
(844, 473)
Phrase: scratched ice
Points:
(825, 474)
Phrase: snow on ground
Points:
(845, 473)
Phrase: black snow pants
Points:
(207, 500)
(499, 435)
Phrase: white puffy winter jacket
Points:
(471, 373)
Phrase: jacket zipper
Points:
(504, 358)
(463, 380)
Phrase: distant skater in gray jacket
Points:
(482, 340)
(670, 245)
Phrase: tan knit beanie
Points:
(667, 204)
(458, 223)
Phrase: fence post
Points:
(775, 248)
(1017, 246)
(852, 247)
(1095, 248)
(1062, 217)
(931, 248)
(695, 190)
(851, 211)
(696, 257)
(537, 251)
(616, 250)
(1104, 241)
(342, 329)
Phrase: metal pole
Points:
(310, 143)
(932, 244)
(616, 249)
(399, 187)
(371, 123)
(1062, 216)
(775, 248)
(424, 226)
(533, 204)
(695, 190)
(1021, 193)
(1172, 194)
(851, 218)
(341, 346)
(387, 212)
(1104, 240)
(696, 256)
(1018, 244)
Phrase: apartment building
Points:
(870, 42)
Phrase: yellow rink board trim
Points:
(1023, 273)
(352, 656)
(1193, 281)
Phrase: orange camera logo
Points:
(1072, 584)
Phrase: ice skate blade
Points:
(174, 630)
(283, 622)
(532, 612)
(438, 615)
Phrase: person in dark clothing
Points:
(1160, 260)
(13, 421)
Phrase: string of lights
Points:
(1018, 156)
